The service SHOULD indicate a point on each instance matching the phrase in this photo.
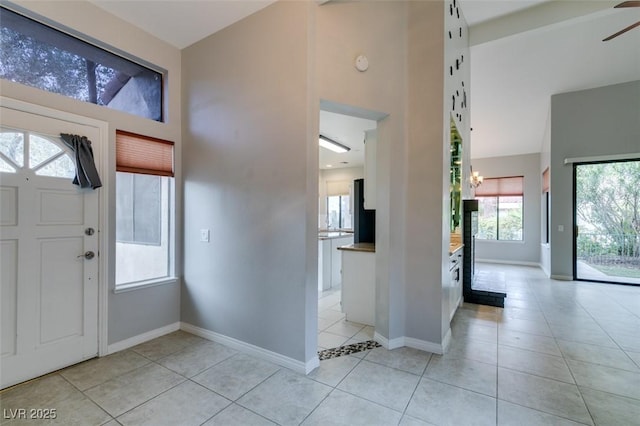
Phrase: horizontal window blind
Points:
(338, 187)
(505, 186)
(143, 154)
(545, 180)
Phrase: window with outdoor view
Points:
(339, 205)
(500, 209)
(144, 209)
(38, 55)
(339, 216)
(29, 153)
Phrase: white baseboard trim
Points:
(545, 270)
(562, 277)
(458, 304)
(446, 342)
(398, 342)
(410, 342)
(423, 345)
(141, 338)
(258, 352)
(510, 262)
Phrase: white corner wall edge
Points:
(546, 271)
(247, 348)
(141, 338)
(410, 342)
(562, 277)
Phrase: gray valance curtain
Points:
(86, 172)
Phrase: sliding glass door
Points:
(607, 219)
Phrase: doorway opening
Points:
(607, 222)
(337, 171)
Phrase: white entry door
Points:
(48, 249)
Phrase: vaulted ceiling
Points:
(520, 60)
(523, 51)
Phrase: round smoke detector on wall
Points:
(362, 63)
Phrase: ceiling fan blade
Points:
(622, 31)
(628, 4)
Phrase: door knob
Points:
(88, 255)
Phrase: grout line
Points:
(244, 408)
(547, 413)
(120, 375)
(433, 379)
(562, 357)
(264, 380)
(150, 399)
(555, 340)
(85, 396)
(371, 401)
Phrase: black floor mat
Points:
(347, 349)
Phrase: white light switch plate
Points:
(204, 235)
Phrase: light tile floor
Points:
(333, 328)
(560, 353)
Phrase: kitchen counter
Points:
(364, 247)
(329, 235)
(454, 247)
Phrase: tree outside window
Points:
(41, 56)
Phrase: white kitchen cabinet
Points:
(359, 286)
(455, 289)
(329, 259)
(370, 147)
(324, 265)
(336, 259)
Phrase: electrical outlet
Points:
(560, 228)
(204, 235)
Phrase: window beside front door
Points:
(144, 210)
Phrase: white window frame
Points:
(171, 277)
(130, 162)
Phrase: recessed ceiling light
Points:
(328, 165)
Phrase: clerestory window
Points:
(38, 55)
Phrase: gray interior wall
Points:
(588, 123)
(528, 250)
(133, 312)
(251, 177)
(377, 30)
(427, 207)
(404, 44)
